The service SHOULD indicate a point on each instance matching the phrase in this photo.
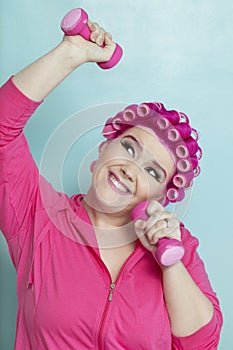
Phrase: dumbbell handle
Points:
(169, 250)
(75, 22)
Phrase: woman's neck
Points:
(105, 220)
(111, 229)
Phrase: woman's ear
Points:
(102, 145)
(100, 148)
(92, 166)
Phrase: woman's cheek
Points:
(156, 190)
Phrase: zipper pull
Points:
(112, 286)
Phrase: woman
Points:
(87, 275)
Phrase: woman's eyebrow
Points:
(160, 168)
(154, 161)
(135, 140)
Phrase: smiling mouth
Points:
(117, 185)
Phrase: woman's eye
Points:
(129, 148)
(154, 173)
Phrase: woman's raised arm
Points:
(39, 78)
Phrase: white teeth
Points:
(118, 184)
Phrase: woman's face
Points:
(131, 168)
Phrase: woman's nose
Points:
(128, 173)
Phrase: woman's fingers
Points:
(90, 50)
(155, 208)
(173, 225)
(108, 36)
(98, 33)
(160, 224)
(157, 231)
(157, 213)
(139, 227)
(165, 217)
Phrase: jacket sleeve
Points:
(206, 338)
(19, 176)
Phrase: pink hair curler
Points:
(169, 250)
(173, 135)
(109, 130)
(163, 123)
(182, 151)
(75, 22)
(175, 194)
(117, 123)
(129, 113)
(182, 180)
(143, 110)
(184, 165)
(179, 132)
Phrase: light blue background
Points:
(178, 52)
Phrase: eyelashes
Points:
(154, 173)
(131, 151)
(129, 148)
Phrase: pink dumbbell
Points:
(75, 22)
(169, 250)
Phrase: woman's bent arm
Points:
(38, 79)
(42, 76)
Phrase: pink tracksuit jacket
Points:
(66, 299)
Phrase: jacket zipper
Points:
(110, 296)
(112, 286)
(107, 304)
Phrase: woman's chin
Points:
(109, 201)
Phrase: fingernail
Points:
(93, 37)
(141, 224)
(99, 42)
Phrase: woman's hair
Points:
(174, 131)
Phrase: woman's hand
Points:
(160, 224)
(39, 78)
(89, 51)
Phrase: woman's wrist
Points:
(71, 55)
(172, 268)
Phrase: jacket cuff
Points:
(201, 339)
(18, 96)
